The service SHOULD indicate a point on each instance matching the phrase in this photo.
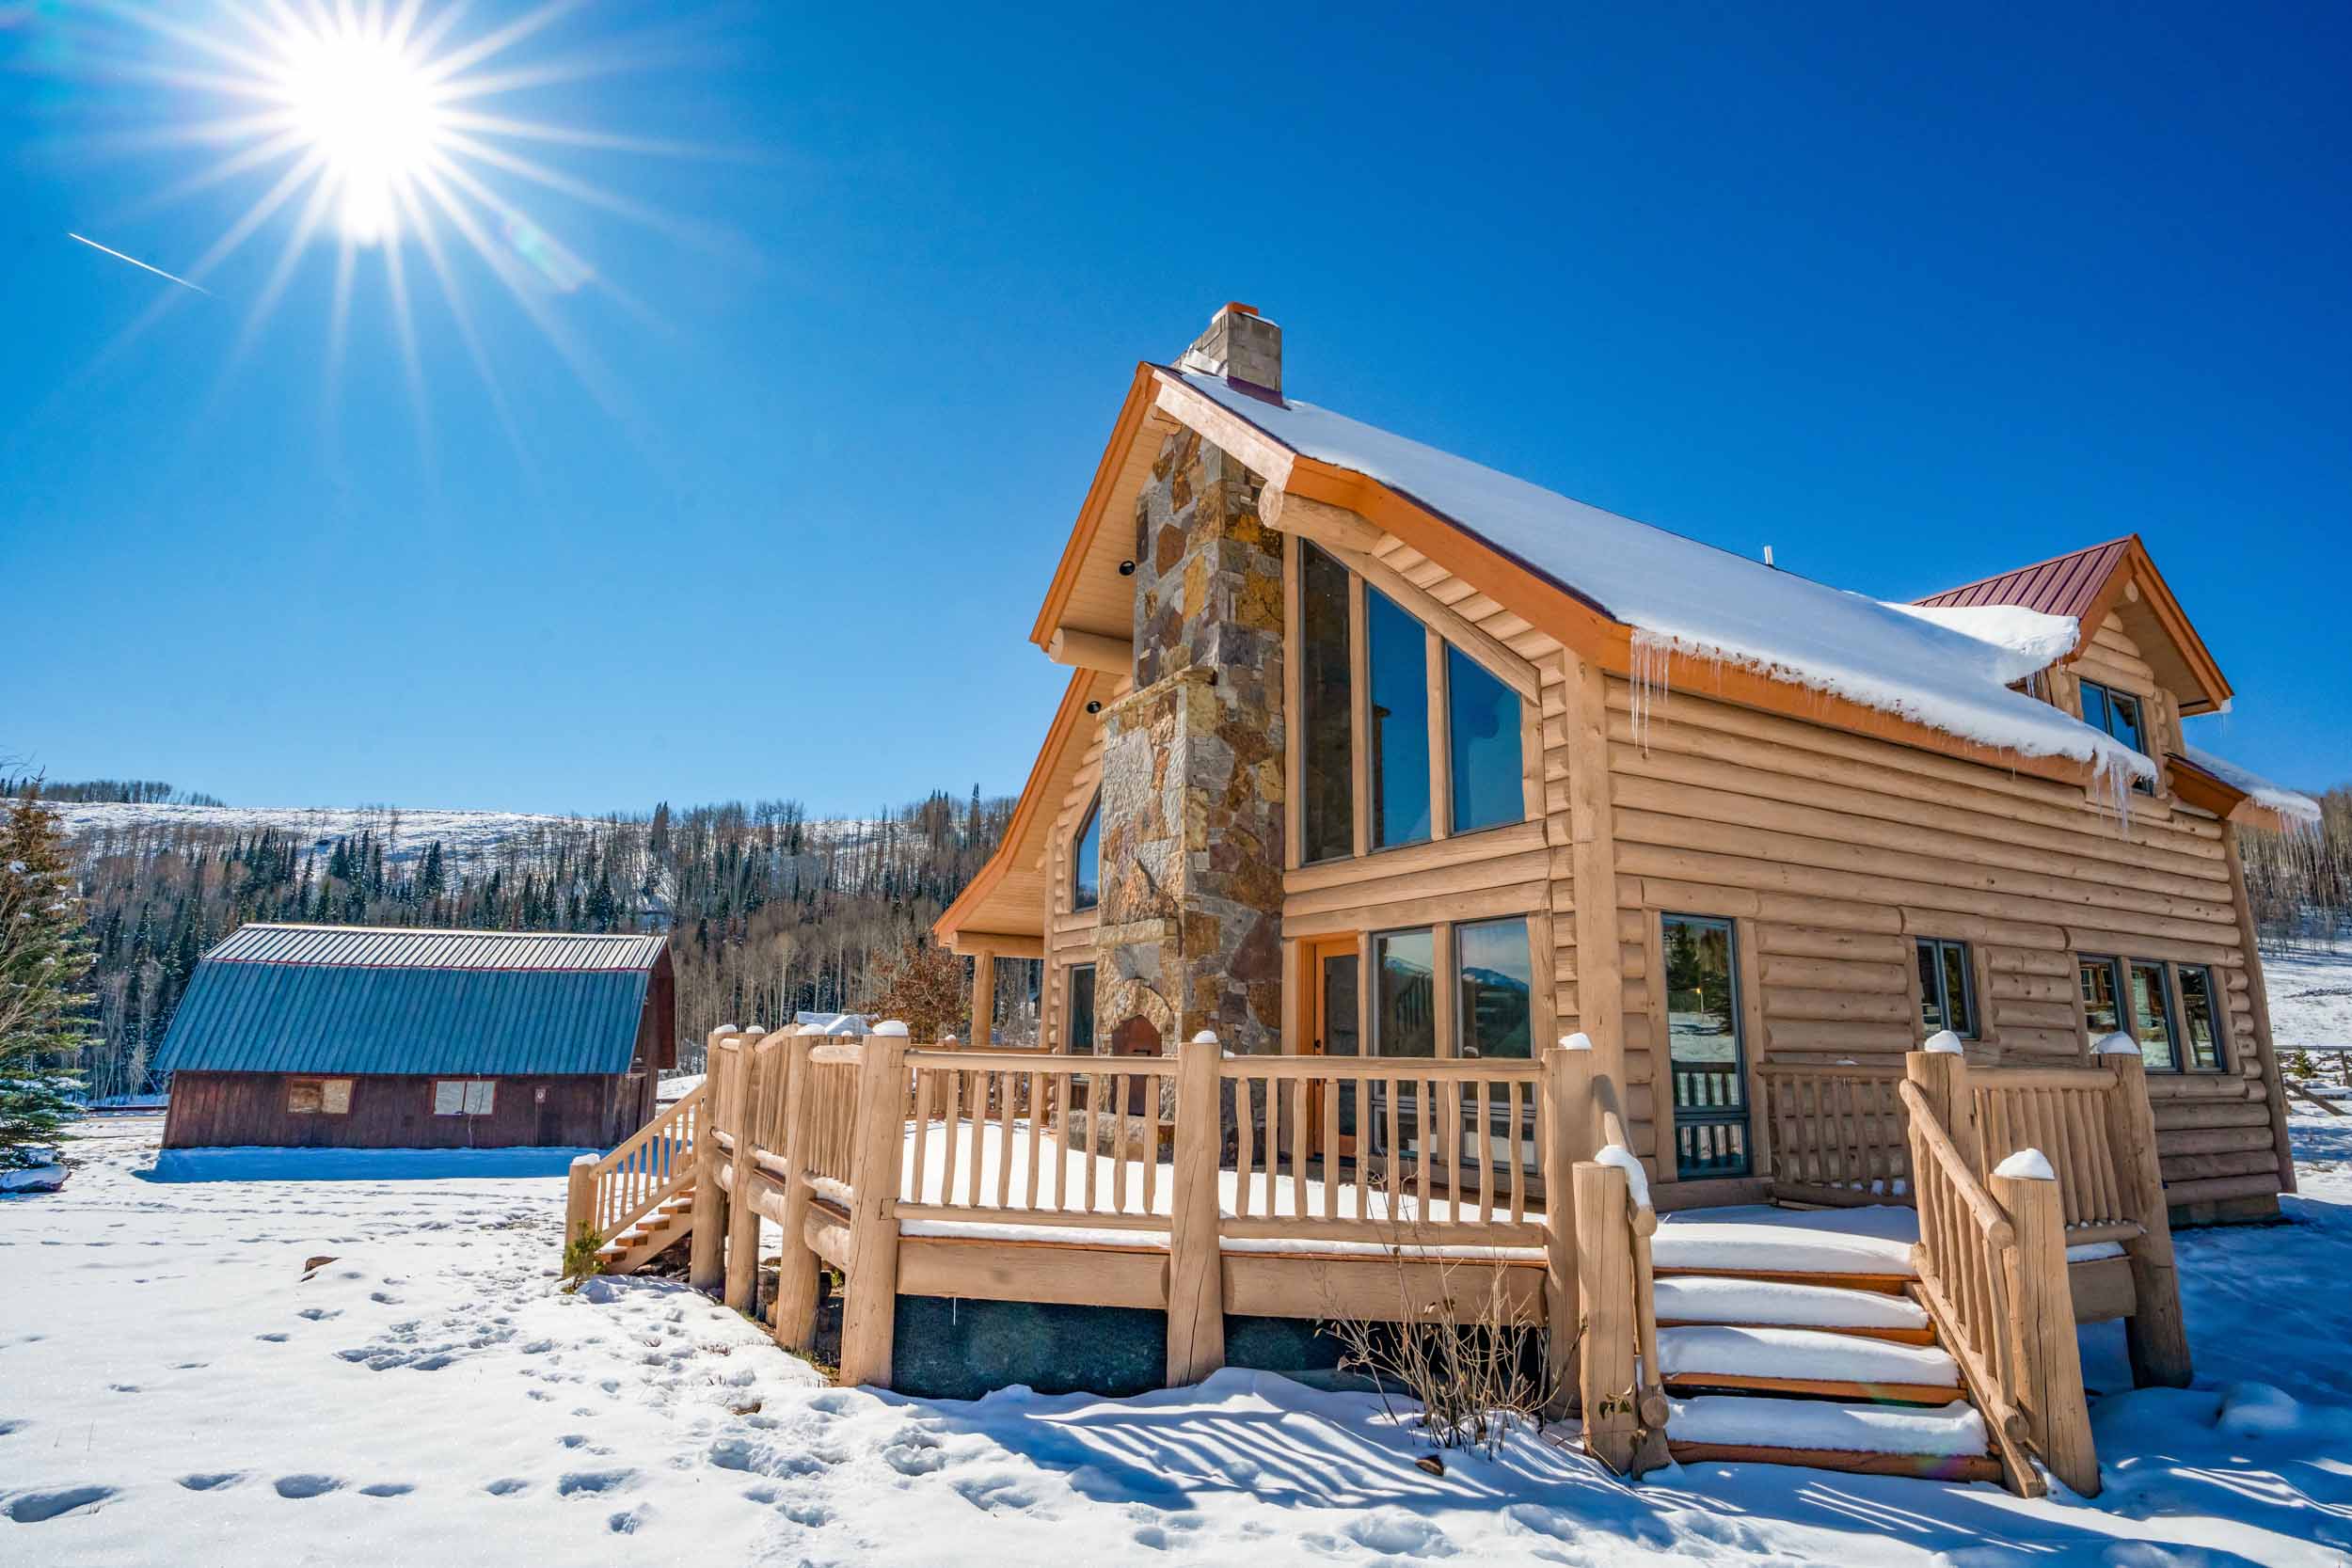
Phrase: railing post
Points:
(2058, 1414)
(1567, 1132)
(983, 998)
(1605, 1351)
(869, 1313)
(580, 1199)
(1196, 1263)
(706, 1268)
(1941, 1073)
(2154, 1333)
(797, 1270)
(742, 1266)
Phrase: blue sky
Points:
(1913, 298)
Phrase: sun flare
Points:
(371, 110)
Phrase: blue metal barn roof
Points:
(358, 998)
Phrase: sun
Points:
(370, 110)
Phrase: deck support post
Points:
(1605, 1348)
(871, 1310)
(2154, 1334)
(796, 1271)
(742, 1261)
(2058, 1414)
(1568, 1133)
(1196, 1263)
(705, 1269)
(983, 998)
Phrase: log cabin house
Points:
(333, 1036)
(1806, 1010)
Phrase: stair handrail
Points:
(1642, 1224)
(1967, 1267)
(644, 1170)
(1618, 1374)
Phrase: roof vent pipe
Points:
(1242, 347)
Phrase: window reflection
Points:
(1399, 650)
(1329, 786)
(1483, 735)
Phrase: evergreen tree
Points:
(45, 954)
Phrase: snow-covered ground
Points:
(2311, 998)
(175, 1389)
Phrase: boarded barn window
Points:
(312, 1097)
(464, 1097)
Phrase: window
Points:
(1078, 1034)
(2103, 997)
(1705, 1052)
(1482, 730)
(1496, 977)
(464, 1097)
(1438, 725)
(2169, 1010)
(1399, 652)
(1405, 1005)
(2118, 714)
(1085, 860)
(2152, 1010)
(318, 1097)
(1328, 790)
(2200, 1030)
(1948, 987)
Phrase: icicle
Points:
(1653, 658)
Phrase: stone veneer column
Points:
(1190, 937)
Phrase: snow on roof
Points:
(2040, 640)
(1684, 597)
(2291, 804)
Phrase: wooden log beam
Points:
(1091, 650)
(2056, 1411)
(706, 1267)
(795, 1325)
(2154, 1335)
(1332, 527)
(869, 1313)
(1195, 1275)
(1605, 1284)
(745, 1076)
(1003, 944)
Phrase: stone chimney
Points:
(1242, 347)
(1191, 924)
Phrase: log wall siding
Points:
(1839, 850)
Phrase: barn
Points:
(342, 1037)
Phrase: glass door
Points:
(1704, 1053)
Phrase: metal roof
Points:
(2064, 585)
(344, 999)
(409, 947)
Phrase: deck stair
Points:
(670, 1221)
(1792, 1337)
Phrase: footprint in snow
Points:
(915, 1454)
(273, 1338)
(506, 1486)
(7, 1427)
(319, 1314)
(589, 1482)
(386, 1489)
(383, 1298)
(995, 1492)
(34, 1507)
(1399, 1534)
(308, 1486)
(211, 1480)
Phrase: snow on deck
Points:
(1119, 1190)
(173, 1390)
(1688, 597)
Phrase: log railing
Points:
(1619, 1375)
(1004, 1136)
(1836, 1133)
(651, 1166)
(2062, 1112)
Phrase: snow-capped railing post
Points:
(797, 1268)
(1196, 1264)
(746, 1076)
(1941, 1073)
(2154, 1333)
(1566, 1123)
(2058, 1414)
(1605, 1352)
(579, 1199)
(880, 1120)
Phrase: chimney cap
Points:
(1239, 309)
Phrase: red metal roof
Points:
(2064, 585)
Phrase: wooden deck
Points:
(1198, 1185)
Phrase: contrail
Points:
(137, 262)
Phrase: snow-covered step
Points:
(1806, 1360)
(1885, 1439)
(1868, 1245)
(1774, 1303)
